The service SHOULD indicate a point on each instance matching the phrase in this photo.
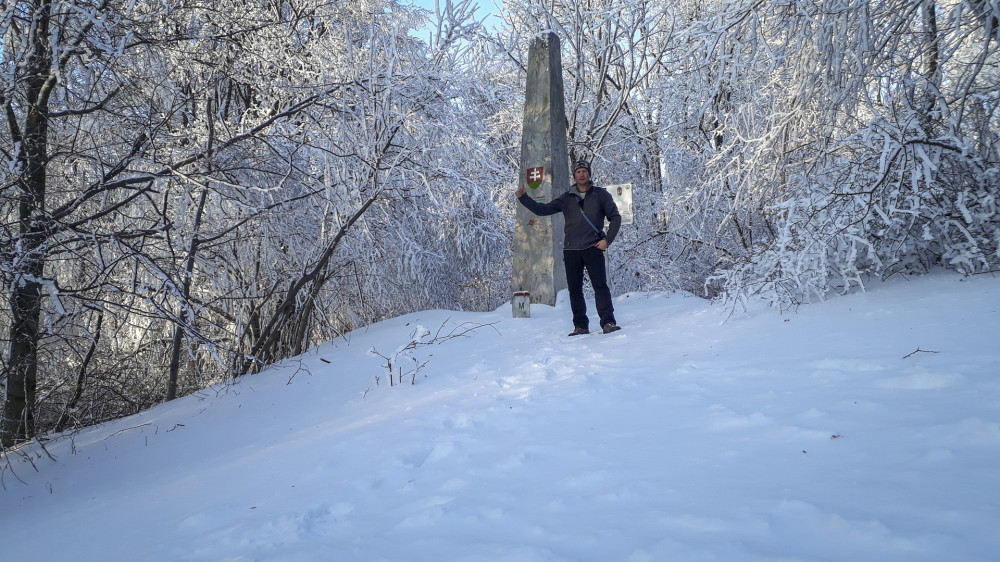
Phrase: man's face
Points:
(582, 175)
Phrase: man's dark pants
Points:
(593, 260)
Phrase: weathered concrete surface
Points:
(522, 304)
(538, 241)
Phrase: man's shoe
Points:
(611, 327)
(579, 332)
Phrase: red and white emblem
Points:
(534, 176)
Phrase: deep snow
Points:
(866, 427)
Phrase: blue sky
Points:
(485, 6)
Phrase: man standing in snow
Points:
(584, 207)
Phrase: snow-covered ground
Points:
(866, 427)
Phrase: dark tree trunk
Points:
(26, 297)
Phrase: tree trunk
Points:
(262, 352)
(26, 297)
(81, 377)
(184, 307)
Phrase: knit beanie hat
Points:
(581, 164)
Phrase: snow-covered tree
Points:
(869, 149)
(196, 189)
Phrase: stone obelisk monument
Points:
(538, 241)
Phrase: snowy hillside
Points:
(866, 427)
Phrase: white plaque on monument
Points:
(622, 194)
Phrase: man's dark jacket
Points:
(598, 205)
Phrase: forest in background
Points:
(194, 189)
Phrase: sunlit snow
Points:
(866, 427)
